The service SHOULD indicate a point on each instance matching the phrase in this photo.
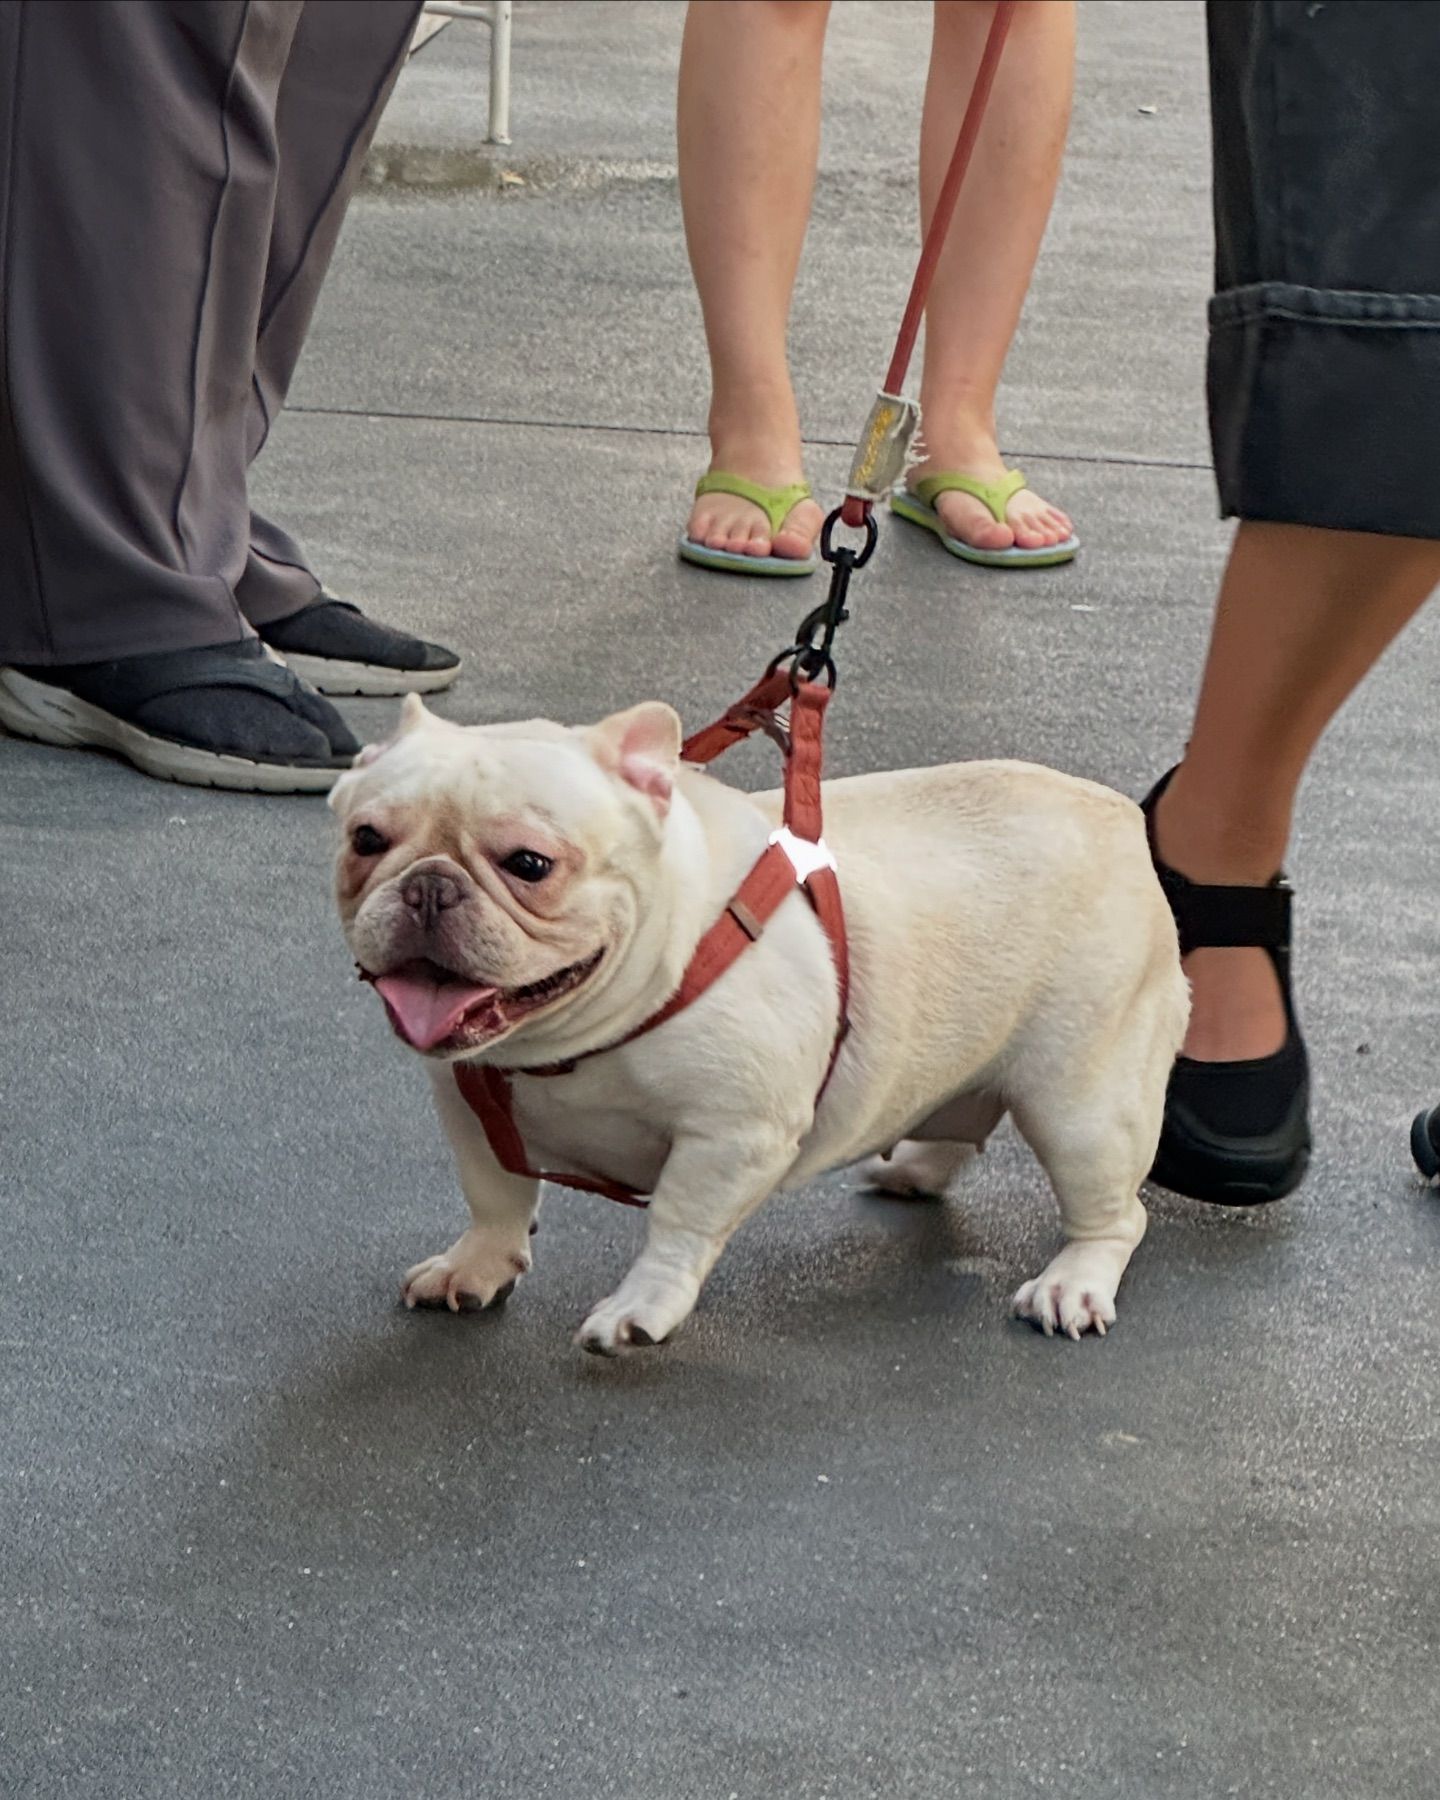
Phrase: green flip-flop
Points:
(917, 504)
(776, 503)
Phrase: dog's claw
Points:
(474, 1270)
(1056, 1307)
(614, 1328)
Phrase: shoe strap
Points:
(777, 503)
(133, 681)
(996, 495)
(1228, 917)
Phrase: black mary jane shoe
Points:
(1235, 1133)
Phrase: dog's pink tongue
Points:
(426, 1011)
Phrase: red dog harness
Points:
(795, 856)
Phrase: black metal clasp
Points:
(810, 654)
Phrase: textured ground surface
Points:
(853, 1534)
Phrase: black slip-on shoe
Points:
(1235, 1133)
(230, 716)
(332, 645)
(1425, 1142)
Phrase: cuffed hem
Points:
(1323, 406)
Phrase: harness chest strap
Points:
(794, 856)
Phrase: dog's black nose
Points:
(429, 892)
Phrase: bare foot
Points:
(1031, 523)
(726, 522)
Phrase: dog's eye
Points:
(365, 840)
(527, 865)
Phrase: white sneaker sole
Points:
(370, 680)
(50, 715)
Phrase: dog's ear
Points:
(642, 747)
(413, 714)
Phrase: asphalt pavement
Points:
(853, 1533)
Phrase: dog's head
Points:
(490, 877)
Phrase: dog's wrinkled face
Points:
(490, 876)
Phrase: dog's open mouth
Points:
(433, 1008)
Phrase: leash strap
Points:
(884, 443)
(795, 856)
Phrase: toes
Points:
(1037, 524)
(1054, 1307)
(792, 543)
(1035, 527)
(1030, 523)
(732, 525)
(460, 1286)
(738, 528)
(796, 536)
(604, 1337)
(612, 1340)
(972, 524)
(728, 523)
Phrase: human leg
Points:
(984, 271)
(748, 130)
(342, 65)
(137, 177)
(1324, 382)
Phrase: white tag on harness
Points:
(805, 857)
(884, 447)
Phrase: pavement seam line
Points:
(1117, 459)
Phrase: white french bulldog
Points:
(525, 894)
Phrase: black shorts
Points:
(1324, 364)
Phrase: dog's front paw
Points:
(643, 1311)
(1075, 1294)
(476, 1267)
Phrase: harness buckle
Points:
(806, 856)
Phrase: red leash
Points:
(873, 472)
(795, 855)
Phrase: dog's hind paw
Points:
(915, 1170)
(473, 1269)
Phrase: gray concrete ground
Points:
(852, 1534)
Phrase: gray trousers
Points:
(173, 175)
